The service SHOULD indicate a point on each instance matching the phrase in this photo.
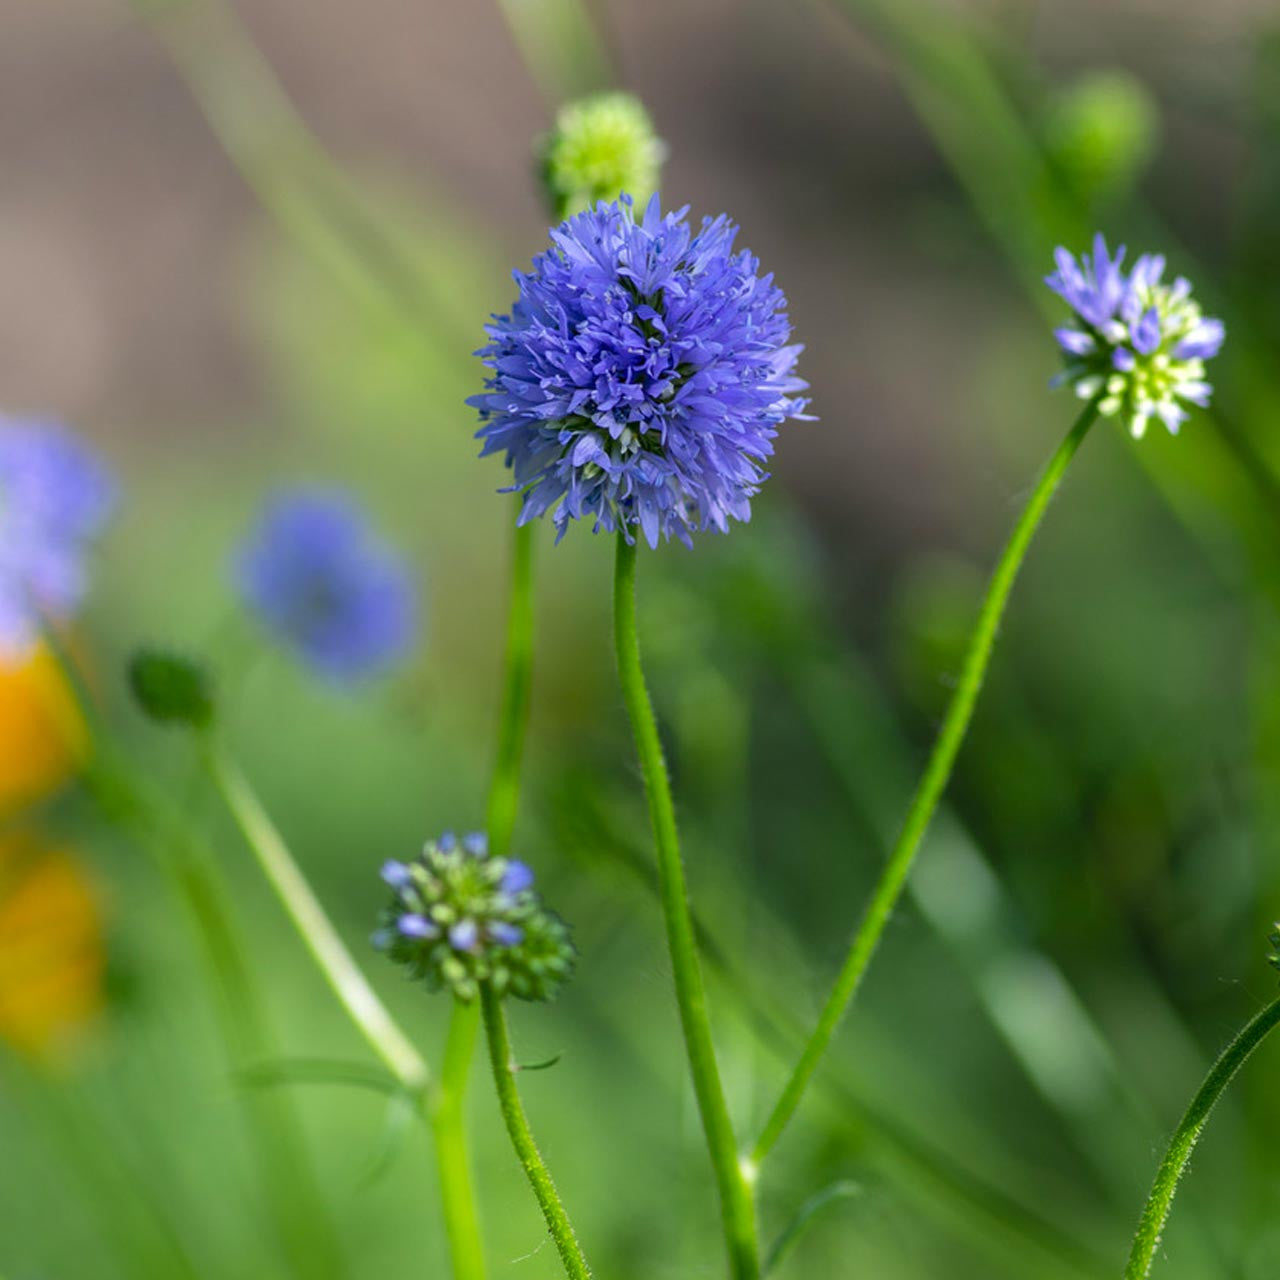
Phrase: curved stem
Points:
(1160, 1201)
(936, 775)
(553, 1210)
(453, 1160)
(313, 924)
(504, 788)
(736, 1204)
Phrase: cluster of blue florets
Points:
(55, 499)
(1137, 344)
(459, 918)
(320, 579)
(641, 376)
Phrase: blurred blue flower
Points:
(641, 376)
(55, 498)
(1137, 343)
(324, 584)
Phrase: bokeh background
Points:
(242, 245)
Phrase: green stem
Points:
(1174, 1164)
(736, 1204)
(313, 925)
(453, 1160)
(302, 1220)
(553, 1210)
(504, 788)
(934, 781)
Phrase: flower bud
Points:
(458, 918)
(600, 147)
(172, 689)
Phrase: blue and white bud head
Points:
(458, 918)
(1136, 343)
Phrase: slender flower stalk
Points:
(736, 1204)
(513, 1115)
(936, 775)
(517, 683)
(453, 1156)
(443, 1101)
(313, 925)
(1156, 1212)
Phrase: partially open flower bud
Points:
(459, 918)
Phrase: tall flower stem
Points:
(553, 1210)
(441, 1102)
(932, 784)
(1156, 1212)
(517, 683)
(453, 1156)
(736, 1203)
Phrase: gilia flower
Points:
(641, 376)
(458, 918)
(600, 147)
(1139, 342)
(55, 498)
(324, 584)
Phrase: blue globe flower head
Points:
(56, 497)
(641, 376)
(1137, 342)
(326, 586)
(459, 918)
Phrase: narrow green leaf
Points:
(790, 1237)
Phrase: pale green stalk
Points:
(442, 1103)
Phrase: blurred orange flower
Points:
(52, 956)
(43, 738)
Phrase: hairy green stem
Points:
(1156, 1212)
(553, 1210)
(453, 1158)
(933, 783)
(736, 1203)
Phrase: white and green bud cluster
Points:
(1137, 344)
(600, 147)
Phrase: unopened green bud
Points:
(600, 147)
(1102, 133)
(172, 689)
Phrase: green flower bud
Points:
(172, 689)
(1102, 133)
(600, 147)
